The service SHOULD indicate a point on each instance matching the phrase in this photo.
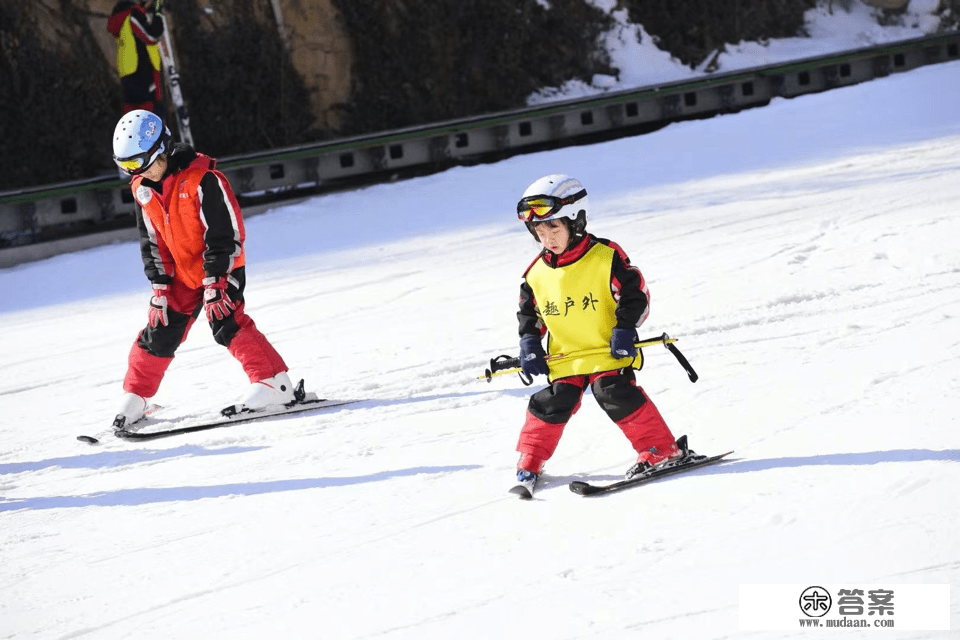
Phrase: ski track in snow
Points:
(817, 297)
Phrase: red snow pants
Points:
(618, 395)
(153, 350)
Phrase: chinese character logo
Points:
(851, 602)
(815, 602)
(881, 601)
(551, 308)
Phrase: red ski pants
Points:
(154, 348)
(618, 395)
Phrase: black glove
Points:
(532, 356)
(621, 343)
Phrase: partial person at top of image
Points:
(137, 29)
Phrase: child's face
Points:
(155, 171)
(553, 234)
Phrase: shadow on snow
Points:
(106, 459)
(135, 497)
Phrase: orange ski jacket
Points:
(190, 223)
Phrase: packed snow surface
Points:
(805, 256)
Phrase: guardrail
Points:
(30, 216)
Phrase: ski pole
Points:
(502, 365)
(172, 77)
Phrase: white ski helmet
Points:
(552, 197)
(139, 138)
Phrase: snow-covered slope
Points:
(830, 27)
(805, 255)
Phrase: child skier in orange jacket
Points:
(192, 246)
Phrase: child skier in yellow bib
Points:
(583, 293)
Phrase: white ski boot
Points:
(277, 390)
(132, 410)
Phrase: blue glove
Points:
(621, 343)
(532, 356)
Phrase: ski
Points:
(314, 404)
(587, 489)
(172, 77)
(521, 491)
(234, 414)
(525, 485)
(142, 422)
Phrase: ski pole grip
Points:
(501, 363)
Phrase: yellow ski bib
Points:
(577, 306)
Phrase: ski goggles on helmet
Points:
(135, 165)
(534, 208)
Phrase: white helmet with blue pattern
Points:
(139, 138)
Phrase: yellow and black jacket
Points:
(138, 52)
(577, 298)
